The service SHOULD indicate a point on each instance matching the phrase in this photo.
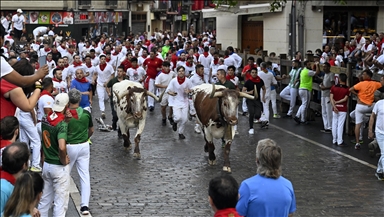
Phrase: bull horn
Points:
(152, 95)
(218, 94)
(213, 91)
(241, 94)
(117, 96)
(161, 96)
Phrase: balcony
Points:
(84, 4)
(159, 6)
(111, 4)
(27, 5)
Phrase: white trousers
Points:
(338, 121)
(192, 110)
(380, 142)
(56, 189)
(30, 135)
(152, 89)
(326, 112)
(289, 93)
(304, 96)
(273, 100)
(244, 105)
(353, 116)
(265, 115)
(102, 95)
(79, 156)
(180, 116)
(206, 75)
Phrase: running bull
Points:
(216, 108)
(130, 100)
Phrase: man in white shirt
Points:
(104, 73)
(45, 102)
(162, 82)
(63, 49)
(236, 57)
(189, 66)
(178, 90)
(94, 58)
(366, 49)
(141, 59)
(269, 80)
(6, 22)
(205, 59)
(68, 19)
(40, 31)
(50, 62)
(196, 79)
(136, 73)
(59, 85)
(77, 64)
(18, 24)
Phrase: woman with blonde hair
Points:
(25, 196)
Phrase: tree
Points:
(275, 5)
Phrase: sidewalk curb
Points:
(75, 195)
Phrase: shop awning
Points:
(241, 10)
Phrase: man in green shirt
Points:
(56, 161)
(80, 128)
(121, 75)
(221, 76)
(305, 88)
(165, 49)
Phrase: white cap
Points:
(194, 39)
(179, 34)
(61, 100)
(19, 11)
(223, 67)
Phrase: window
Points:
(85, 2)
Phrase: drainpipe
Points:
(293, 23)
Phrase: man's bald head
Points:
(15, 157)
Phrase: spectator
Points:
(25, 196)
(15, 161)
(82, 84)
(326, 106)
(223, 195)
(267, 193)
(9, 132)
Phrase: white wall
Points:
(227, 28)
(276, 30)
(313, 28)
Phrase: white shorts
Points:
(164, 100)
(360, 112)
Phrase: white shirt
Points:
(62, 86)
(214, 68)
(141, 60)
(5, 23)
(230, 61)
(378, 109)
(5, 67)
(360, 44)
(95, 61)
(237, 59)
(235, 81)
(91, 71)
(39, 30)
(188, 69)
(136, 74)
(105, 75)
(18, 21)
(51, 33)
(205, 61)
(72, 71)
(367, 49)
(164, 79)
(196, 80)
(268, 79)
(51, 65)
(45, 101)
(339, 60)
(63, 52)
(68, 20)
(181, 98)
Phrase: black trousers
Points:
(254, 109)
(114, 115)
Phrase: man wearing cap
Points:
(56, 169)
(291, 90)
(39, 31)
(18, 24)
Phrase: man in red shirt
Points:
(152, 66)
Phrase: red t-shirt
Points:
(7, 107)
(152, 65)
(246, 68)
(126, 64)
(174, 59)
(339, 92)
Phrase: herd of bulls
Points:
(216, 110)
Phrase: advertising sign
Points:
(44, 17)
(56, 18)
(81, 18)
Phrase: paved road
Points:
(173, 175)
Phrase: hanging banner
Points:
(81, 18)
(67, 18)
(91, 17)
(44, 17)
(32, 17)
(56, 18)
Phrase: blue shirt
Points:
(82, 87)
(6, 191)
(274, 75)
(261, 196)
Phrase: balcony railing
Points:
(85, 2)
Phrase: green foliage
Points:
(231, 3)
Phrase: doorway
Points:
(252, 35)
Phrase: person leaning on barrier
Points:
(267, 193)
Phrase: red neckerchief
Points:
(58, 67)
(116, 53)
(255, 80)
(205, 54)
(196, 55)
(7, 176)
(75, 64)
(54, 51)
(107, 60)
(215, 61)
(225, 57)
(102, 66)
(37, 65)
(47, 50)
(70, 52)
(63, 47)
(135, 67)
(48, 61)
(188, 64)
(57, 80)
(74, 113)
(166, 72)
(55, 118)
(66, 65)
(366, 46)
(45, 92)
(358, 40)
(4, 143)
(180, 80)
(144, 56)
(89, 65)
(88, 46)
(83, 80)
(104, 52)
(230, 77)
(229, 212)
(38, 43)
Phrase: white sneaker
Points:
(197, 129)
(251, 131)
(36, 169)
(236, 132)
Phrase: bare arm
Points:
(370, 125)
(19, 99)
(90, 132)
(26, 81)
(352, 90)
(47, 110)
(290, 215)
(64, 159)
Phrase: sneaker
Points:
(236, 132)
(379, 176)
(36, 169)
(257, 121)
(287, 116)
(326, 131)
(164, 122)
(357, 146)
(84, 210)
(245, 113)
(276, 116)
(251, 131)
(103, 115)
(371, 149)
(342, 144)
(197, 129)
(360, 141)
(181, 136)
(170, 120)
(151, 108)
(264, 124)
(174, 126)
(297, 119)
(89, 141)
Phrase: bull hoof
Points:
(137, 156)
(227, 169)
(128, 148)
(212, 162)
